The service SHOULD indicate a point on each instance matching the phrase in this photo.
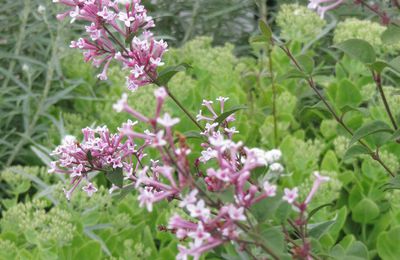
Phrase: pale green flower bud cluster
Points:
(214, 69)
(390, 159)
(121, 221)
(17, 177)
(299, 23)
(328, 128)
(368, 91)
(341, 144)
(393, 98)
(286, 102)
(353, 28)
(297, 160)
(134, 251)
(38, 226)
(81, 202)
(8, 250)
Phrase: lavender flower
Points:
(322, 6)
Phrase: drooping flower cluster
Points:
(99, 150)
(322, 6)
(118, 30)
(224, 166)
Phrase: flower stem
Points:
(183, 109)
(378, 81)
(274, 113)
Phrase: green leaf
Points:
(358, 49)
(292, 74)
(315, 210)
(369, 129)
(266, 208)
(347, 95)
(226, 114)
(166, 74)
(116, 177)
(395, 64)
(395, 135)
(354, 251)
(330, 162)
(391, 35)
(90, 250)
(274, 237)
(355, 150)
(366, 211)
(388, 244)
(265, 30)
(258, 39)
(348, 108)
(148, 240)
(379, 66)
(319, 229)
(394, 184)
(306, 63)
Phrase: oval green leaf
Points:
(358, 49)
(369, 129)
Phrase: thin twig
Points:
(378, 81)
(311, 83)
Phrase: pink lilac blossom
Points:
(212, 222)
(99, 150)
(109, 25)
(322, 6)
(171, 175)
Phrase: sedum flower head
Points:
(299, 23)
(390, 159)
(8, 249)
(393, 97)
(341, 143)
(37, 225)
(353, 28)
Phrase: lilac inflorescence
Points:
(120, 31)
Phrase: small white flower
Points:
(189, 199)
(127, 20)
(119, 106)
(290, 195)
(276, 167)
(146, 197)
(137, 71)
(236, 213)
(41, 9)
(199, 235)
(90, 189)
(269, 189)
(198, 210)
(167, 121)
(160, 93)
(68, 140)
(156, 61)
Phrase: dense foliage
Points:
(322, 90)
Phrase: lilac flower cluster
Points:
(114, 34)
(100, 150)
(224, 165)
